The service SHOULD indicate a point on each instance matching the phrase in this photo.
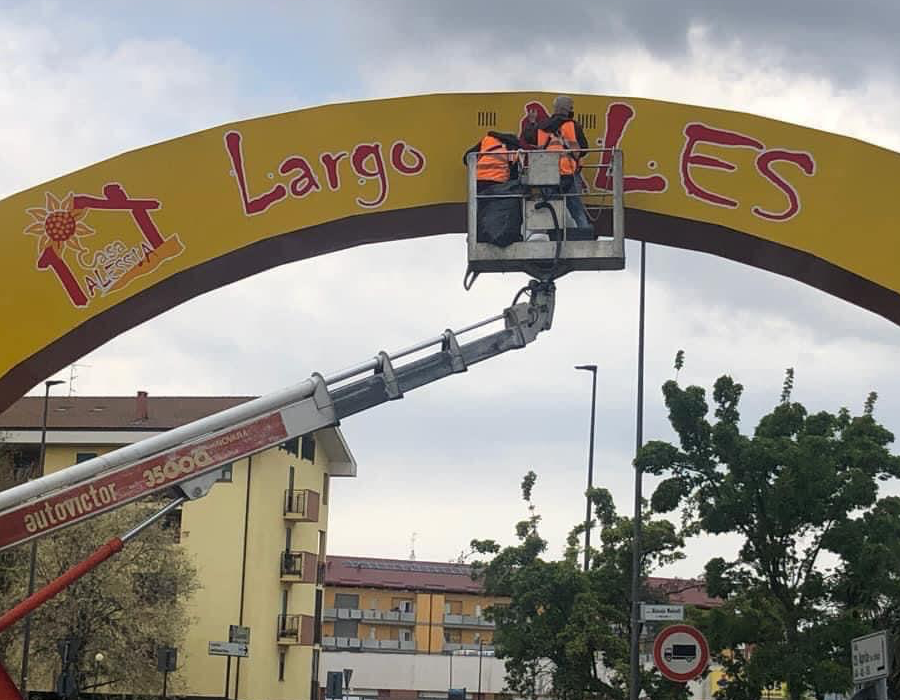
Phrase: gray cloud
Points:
(840, 40)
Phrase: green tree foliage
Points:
(802, 485)
(565, 631)
(127, 606)
(13, 562)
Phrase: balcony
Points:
(296, 629)
(299, 567)
(383, 617)
(354, 643)
(301, 505)
(346, 643)
(468, 649)
(454, 620)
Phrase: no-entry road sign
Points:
(680, 652)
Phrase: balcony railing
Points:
(299, 566)
(468, 649)
(379, 616)
(301, 504)
(456, 620)
(296, 629)
(355, 643)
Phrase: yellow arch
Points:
(93, 253)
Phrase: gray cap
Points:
(563, 104)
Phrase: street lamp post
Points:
(26, 641)
(480, 655)
(590, 483)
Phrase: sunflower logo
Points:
(59, 225)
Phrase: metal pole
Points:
(635, 689)
(590, 481)
(451, 670)
(165, 683)
(227, 675)
(480, 656)
(32, 562)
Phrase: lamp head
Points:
(589, 368)
(53, 382)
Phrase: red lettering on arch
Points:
(401, 148)
(618, 116)
(330, 163)
(255, 205)
(696, 133)
(306, 181)
(370, 153)
(802, 160)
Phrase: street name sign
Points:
(238, 633)
(228, 649)
(652, 612)
(680, 652)
(871, 660)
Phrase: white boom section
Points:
(177, 457)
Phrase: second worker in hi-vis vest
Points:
(562, 132)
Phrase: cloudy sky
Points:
(445, 462)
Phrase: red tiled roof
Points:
(403, 574)
(113, 412)
(688, 591)
(371, 572)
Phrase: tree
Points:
(565, 630)
(14, 466)
(800, 486)
(127, 606)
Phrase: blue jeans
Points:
(571, 187)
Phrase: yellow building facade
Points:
(258, 539)
(404, 606)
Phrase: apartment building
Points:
(404, 606)
(258, 539)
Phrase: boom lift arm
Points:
(186, 460)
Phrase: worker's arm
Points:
(579, 135)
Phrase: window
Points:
(282, 654)
(84, 456)
(372, 632)
(346, 600)
(477, 611)
(225, 476)
(453, 636)
(346, 628)
(403, 605)
(453, 607)
(317, 633)
(308, 448)
(406, 634)
(171, 523)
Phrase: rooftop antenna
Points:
(73, 375)
(412, 547)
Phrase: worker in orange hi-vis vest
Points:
(499, 215)
(562, 132)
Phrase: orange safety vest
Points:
(564, 140)
(493, 159)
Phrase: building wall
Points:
(430, 627)
(212, 534)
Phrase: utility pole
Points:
(635, 689)
(26, 632)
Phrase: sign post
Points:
(653, 612)
(871, 662)
(681, 653)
